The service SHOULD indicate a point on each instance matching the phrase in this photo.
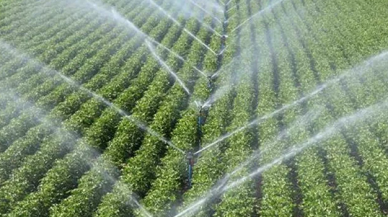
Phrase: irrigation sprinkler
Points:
(210, 82)
(191, 155)
(223, 38)
(190, 164)
(203, 110)
(202, 114)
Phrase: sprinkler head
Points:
(206, 107)
(190, 155)
(198, 104)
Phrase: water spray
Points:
(303, 121)
(167, 67)
(180, 25)
(142, 209)
(261, 119)
(326, 133)
(92, 94)
(226, 4)
(213, 4)
(209, 28)
(203, 109)
(318, 90)
(117, 16)
(204, 10)
(235, 6)
(176, 55)
(229, 18)
(257, 14)
(359, 70)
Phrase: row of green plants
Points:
(175, 93)
(139, 171)
(171, 178)
(209, 166)
(43, 170)
(30, 83)
(309, 205)
(316, 188)
(293, 56)
(364, 204)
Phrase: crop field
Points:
(172, 108)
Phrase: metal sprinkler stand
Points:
(210, 83)
(202, 114)
(223, 46)
(190, 156)
(190, 164)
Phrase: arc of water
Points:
(298, 124)
(49, 71)
(204, 10)
(173, 53)
(215, 5)
(261, 119)
(180, 25)
(236, 58)
(143, 210)
(138, 123)
(358, 70)
(324, 134)
(226, 4)
(224, 67)
(229, 18)
(349, 120)
(217, 95)
(193, 36)
(235, 6)
(223, 50)
(257, 14)
(132, 198)
(209, 27)
(198, 104)
(167, 67)
(58, 129)
(100, 164)
(164, 47)
(224, 88)
(133, 26)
